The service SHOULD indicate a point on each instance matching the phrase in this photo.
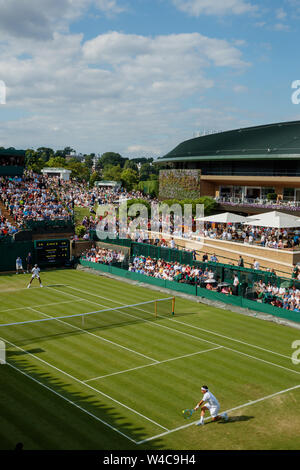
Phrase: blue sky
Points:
(138, 76)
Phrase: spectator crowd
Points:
(103, 255)
(250, 235)
(32, 197)
(286, 297)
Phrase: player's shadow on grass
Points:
(236, 419)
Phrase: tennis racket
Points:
(187, 413)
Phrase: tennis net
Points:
(49, 326)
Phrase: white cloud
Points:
(39, 19)
(101, 94)
(214, 7)
(280, 14)
(109, 6)
(281, 27)
(240, 89)
(143, 150)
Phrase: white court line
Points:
(226, 411)
(72, 403)
(145, 320)
(37, 306)
(191, 326)
(121, 404)
(31, 287)
(154, 364)
(17, 290)
(86, 385)
(81, 298)
(96, 336)
(207, 341)
(253, 357)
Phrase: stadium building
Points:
(241, 168)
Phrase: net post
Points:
(173, 306)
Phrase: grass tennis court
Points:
(122, 380)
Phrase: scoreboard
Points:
(52, 252)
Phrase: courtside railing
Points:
(236, 300)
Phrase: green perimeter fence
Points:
(223, 272)
(238, 301)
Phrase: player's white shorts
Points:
(214, 410)
(19, 266)
(35, 276)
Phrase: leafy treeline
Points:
(109, 166)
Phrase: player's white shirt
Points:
(35, 272)
(210, 399)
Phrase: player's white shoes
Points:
(200, 423)
(225, 416)
(28, 286)
(41, 285)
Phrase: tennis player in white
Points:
(35, 274)
(211, 404)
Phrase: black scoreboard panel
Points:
(52, 252)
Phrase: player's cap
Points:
(204, 388)
(35, 265)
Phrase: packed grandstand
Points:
(35, 197)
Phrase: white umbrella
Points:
(274, 219)
(225, 218)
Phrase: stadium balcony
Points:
(257, 205)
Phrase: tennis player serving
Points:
(211, 404)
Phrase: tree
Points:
(98, 166)
(148, 171)
(33, 161)
(94, 177)
(112, 173)
(130, 164)
(78, 169)
(145, 171)
(89, 161)
(45, 153)
(111, 158)
(56, 162)
(66, 151)
(129, 178)
(142, 160)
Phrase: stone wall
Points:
(179, 184)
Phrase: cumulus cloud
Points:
(108, 89)
(214, 7)
(39, 19)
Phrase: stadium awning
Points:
(274, 219)
(225, 218)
